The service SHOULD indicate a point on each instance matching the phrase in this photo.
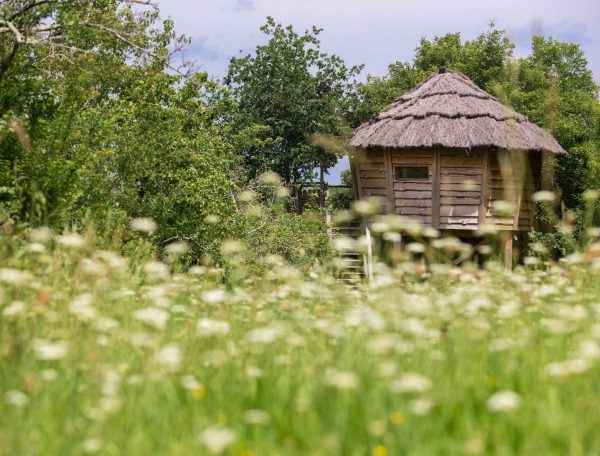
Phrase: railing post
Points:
(369, 255)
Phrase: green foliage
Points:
(483, 59)
(300, 239)
(294, 90)
(342, 198)
(98, 124)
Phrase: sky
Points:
(377, 32)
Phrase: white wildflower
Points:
(264, 335)
(144, 225)
(92, 445)
(152, 316)
(544, 196)
(82, 307)
(212, 219)
(105, 324)
(382, 344)
(48, 350)
(41, 235)
(189, 382)
(197, 270)
(48, 375)
(503, 208)
(568, 367)
(254, 372)
(207, 327)
(112, 259)
(213, 296)
(141, 339)
(421, 406)
(343, 380)
(72, 240)
(16, 398)
(36, 247)
(387, 369)
(589, 349)
(14, 309)
(504, 401)
(367, 206)
(270, 178)
(178, 248)
(365, 316)
(415, 247)
(92, 267)
(555, 326)
(169, 357)
(156, 270)
(232, 247)
(573, 313)
(478, 304)
(411, 383)
(344, 244)
(217, 439)
(15, 277)
(247, 196)
(256, 417)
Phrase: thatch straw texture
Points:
(449, 110)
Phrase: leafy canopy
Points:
(293, 90)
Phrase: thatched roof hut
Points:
(449, 110)
(447, 153)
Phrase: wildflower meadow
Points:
(109, 354)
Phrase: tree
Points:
(555, 88)
(293, 90)
(100, 126)
(483, 59)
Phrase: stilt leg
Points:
(508, 251)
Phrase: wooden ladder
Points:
(357, 265)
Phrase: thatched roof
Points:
(449, 110)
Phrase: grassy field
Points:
(105, 355)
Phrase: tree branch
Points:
(28, 7)
(5, 64)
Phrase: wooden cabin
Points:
(447, 153)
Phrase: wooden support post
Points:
(508, 250)
(435, 195)
(355, 178)
(369, 256)
(389, 174)
(322, 188)
(485, 192)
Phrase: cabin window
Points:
(412, 172)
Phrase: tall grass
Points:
(100, 354)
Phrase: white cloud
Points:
(378, 32)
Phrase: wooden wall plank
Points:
(454, 211)
(459, 220)
(413, 202)
(413, 194)
(466, 179)
(436, 189)
(484, 187)
(419, 186)
(459, 194)
(450, 200)
(467, 187)
(413, 210)
(389, 171)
